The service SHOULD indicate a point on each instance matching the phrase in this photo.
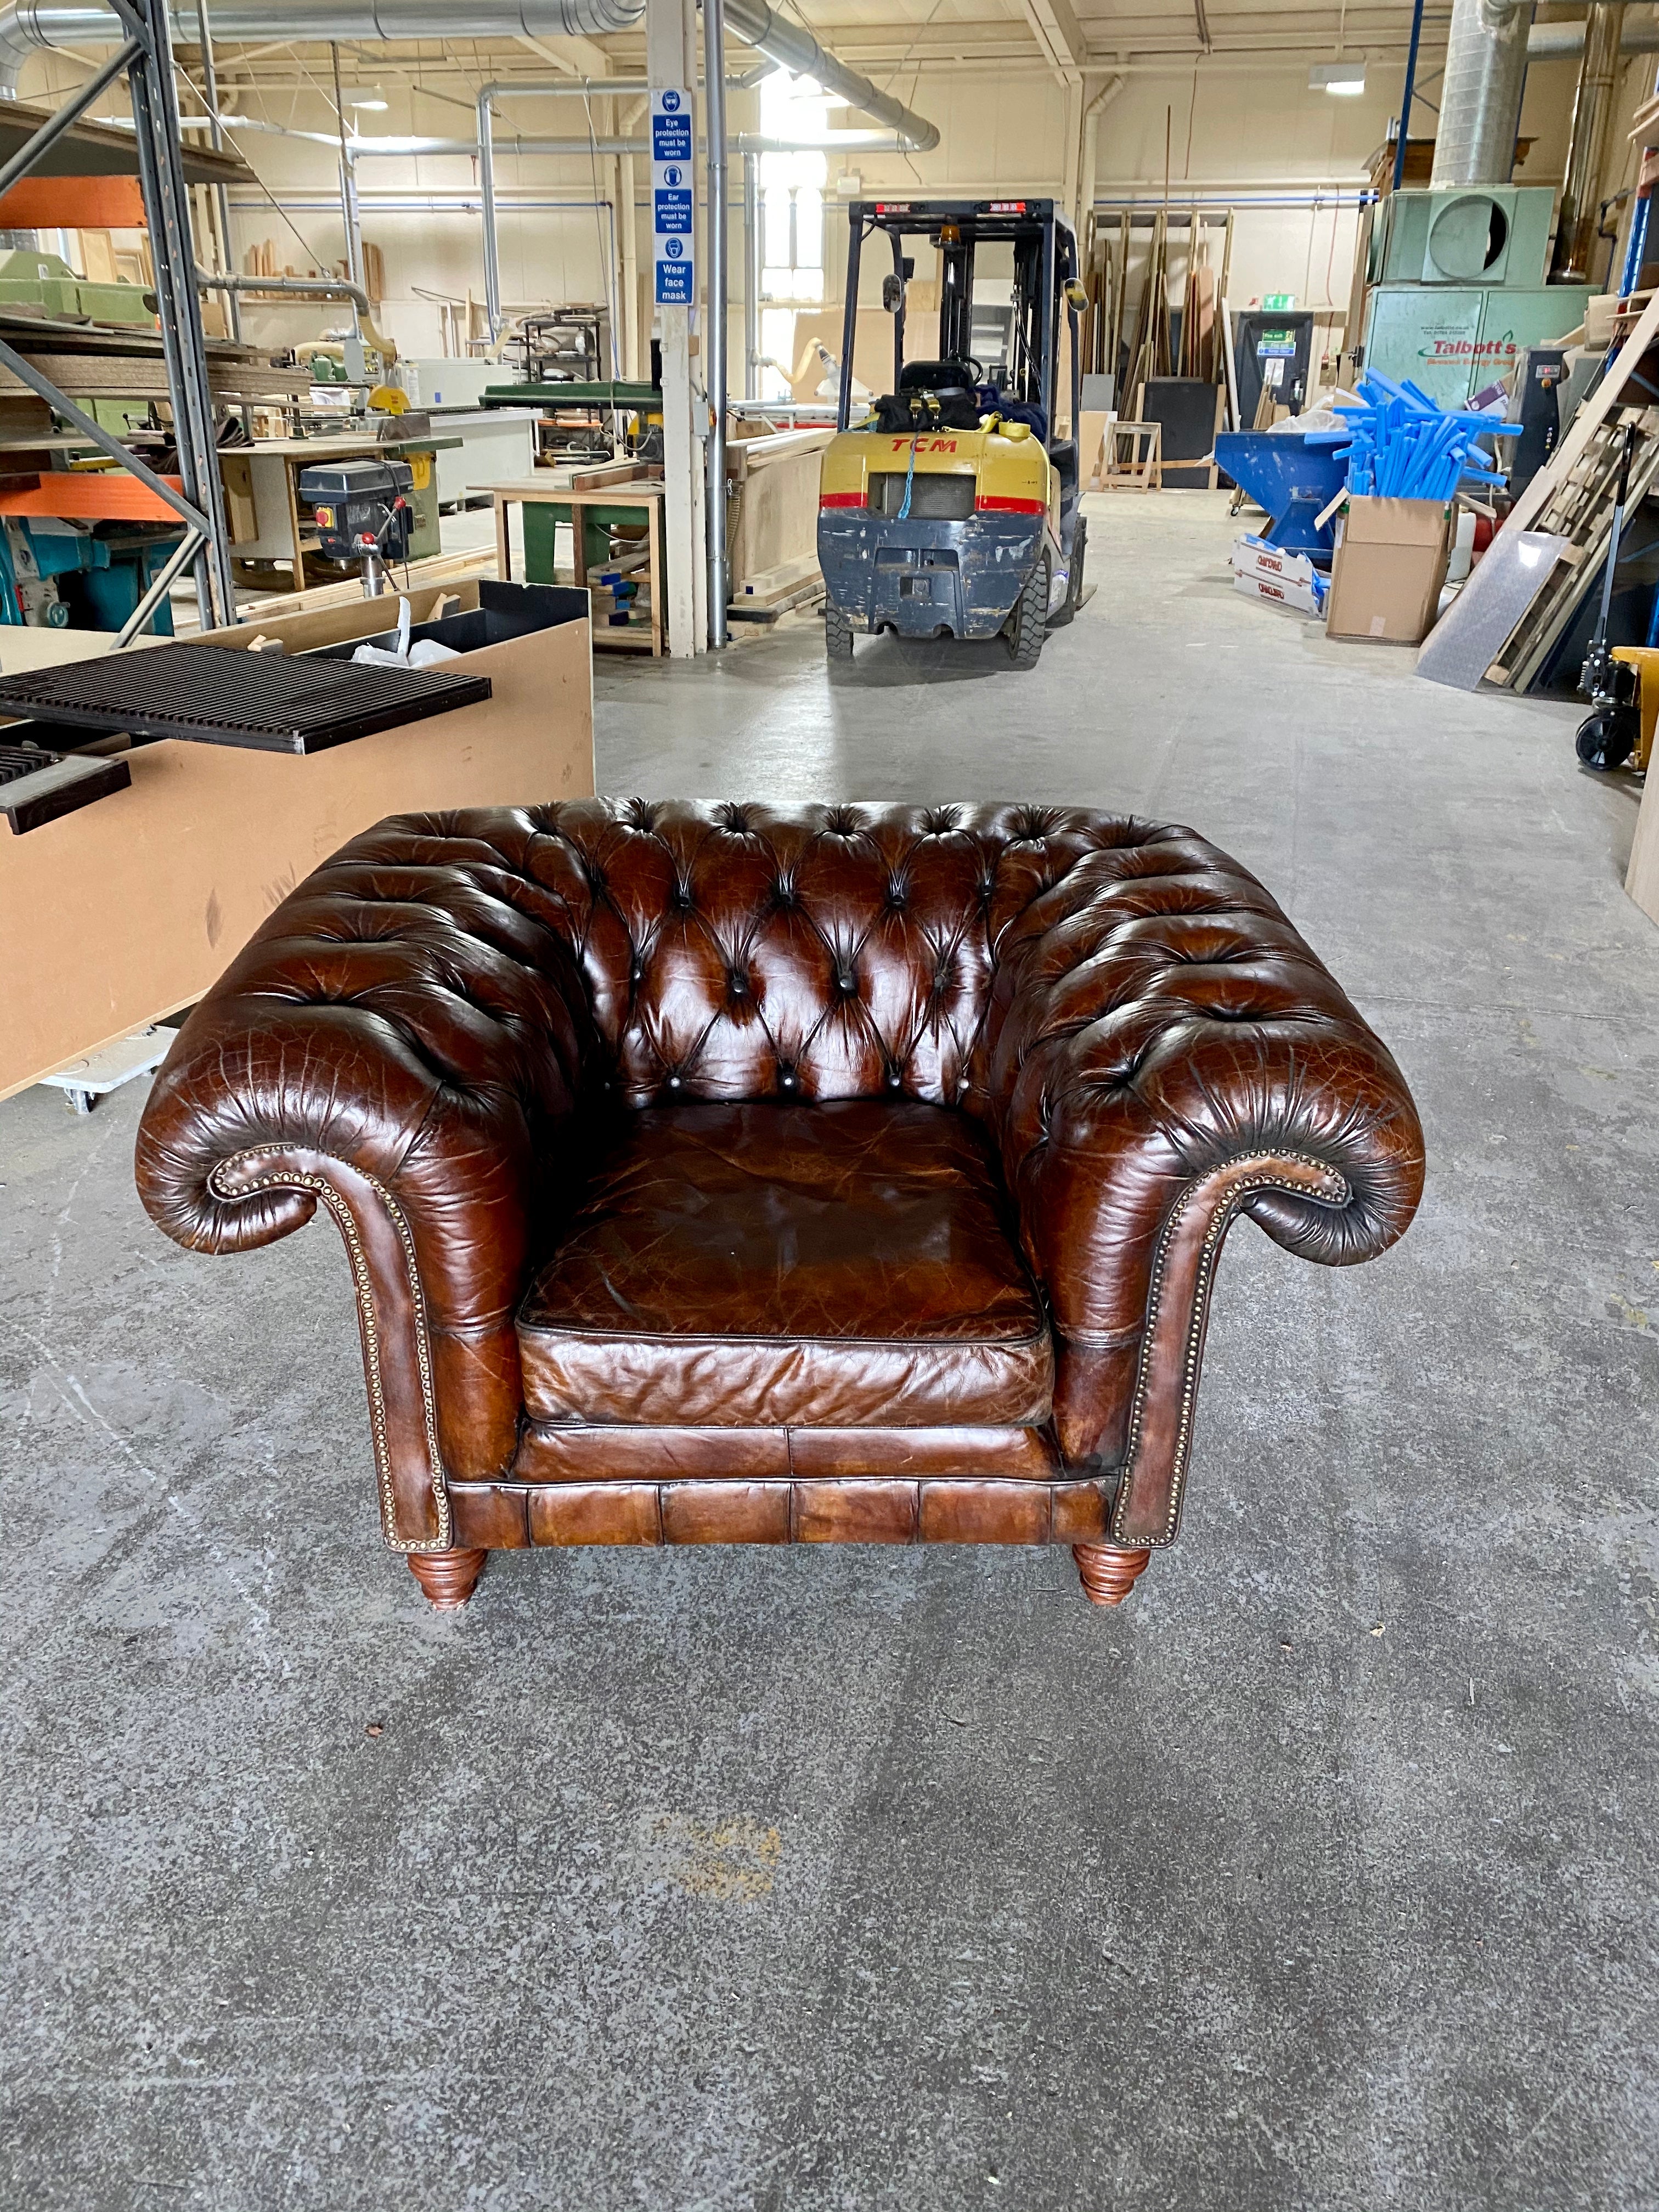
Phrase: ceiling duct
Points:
(1587, 143)
(796, 50)
(1551, 42)
(28, 26)
(1481, 95)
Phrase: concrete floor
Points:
(1318, 1878)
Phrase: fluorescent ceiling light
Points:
(371, 102)
(1346, 79)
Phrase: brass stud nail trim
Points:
(1339, 1192)
(364, 1281)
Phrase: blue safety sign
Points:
(671, 136)
(673, 198)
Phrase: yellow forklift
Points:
(951, 511)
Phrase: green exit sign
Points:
(1279, 302)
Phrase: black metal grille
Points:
(220, 696)
(935, 497)
(24, 760)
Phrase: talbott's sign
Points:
(1496, 348)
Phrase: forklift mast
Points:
(1045, 255)
(956, 294)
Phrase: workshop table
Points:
(603, 502)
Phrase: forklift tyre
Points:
(1030, 616)
(837, 636)
(1074, 598)
(1607, 740)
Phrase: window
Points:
(792, 221)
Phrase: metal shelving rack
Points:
(146, 59)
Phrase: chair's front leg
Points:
(448, 1578)
(1109, 1571)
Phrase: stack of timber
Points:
(772, 523)
(124, 360)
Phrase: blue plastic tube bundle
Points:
(1400, 444)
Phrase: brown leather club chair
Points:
(727, 1175)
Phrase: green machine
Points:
(604, 400)
(29, 279)
(1455, 289)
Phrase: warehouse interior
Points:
(755, 1613)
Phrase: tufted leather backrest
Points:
(733, 952)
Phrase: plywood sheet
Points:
(134, 906)
(1642, 877)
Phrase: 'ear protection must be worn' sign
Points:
(673, 148)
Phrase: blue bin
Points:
(1292, 480)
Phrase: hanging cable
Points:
(909, 479)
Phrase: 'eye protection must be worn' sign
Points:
(673, 148)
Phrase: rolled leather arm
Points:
(394, 1043)
(1165, 1052)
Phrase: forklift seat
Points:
(940, 376)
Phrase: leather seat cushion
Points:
(745, 1266)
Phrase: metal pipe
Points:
(151, 82)
(354, 241)
(410, 203)
(492, 266)
(1480, 98)
(28, 24)
(1407, 96)
(626, 217)
(221, 196)
(351, 221)
(1150, 202)
(161, 584)
(713, 71)
(795, 49)
(302, 288)
(1550, 42)
(751, 274)
(1587, 144)
(1636, 249)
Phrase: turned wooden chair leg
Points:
(448, 1578)
(1109, 1571)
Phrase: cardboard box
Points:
(1300, 599)
(132, 907)
(1266, 572)
(1390, 564)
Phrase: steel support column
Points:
(183, 343)
(714, 72)
(221, 196)
(751, 268)
(147, 58)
